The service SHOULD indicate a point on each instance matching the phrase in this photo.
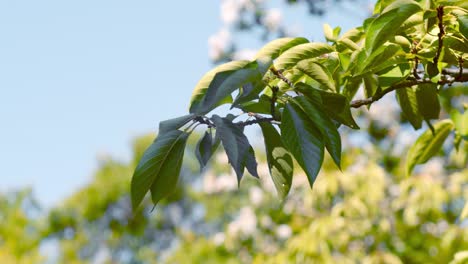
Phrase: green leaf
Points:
(175, 123)
(205, 148)
(428, 101)
(262, 106)
(428, 144)
(220, 82)
(335, 105)
(276, 47)
(301, 52)
(279, 160)
(409, 106)
(394, 74)
(384, 27)
(349, 44)
(464, 213)
(159, 167)
(328, 31)
(378, 57)
(236, 145)
(248, 92)
(371, 84)
(318, 73)
(463, 24)
(320, 119)
(461, 123)
(303, 140)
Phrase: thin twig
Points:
(274, 90)
(281, 76)
(256, 121)
(440, 17)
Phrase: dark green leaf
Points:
(160, 163)
(220, 82)
(303, 140)
(428, 144)
(175, 123)
(205, 148)
(320, 119)
(262, 106)
(248, 92)
(279, 160)
(236, 145)
(166, 182)
(428, 101)
(335, 105)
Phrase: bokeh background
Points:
(83, 87)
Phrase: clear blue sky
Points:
(79, 78)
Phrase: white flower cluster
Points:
(245, 224)
(230, 13)
(223, 182)
(218, 43)
(273, 19)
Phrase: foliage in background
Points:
(366, 213)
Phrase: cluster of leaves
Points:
(307, 89)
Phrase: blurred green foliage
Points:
(363, 214)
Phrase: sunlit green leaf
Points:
(384, 27)
(301, 52)
(279, 160)
(409, 106)
(394, 74)
(276, 47)
(428, 144)
(318, 73)
(370, 84)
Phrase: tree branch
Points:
(257, 120)
(440, 16)
(282, 77)
(449, 79)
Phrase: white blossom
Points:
(245, 54)
(434, 167)
(230, 10)
(256, 195)
(221, 183)
(283, 231)
(273, 18)
(245, 224)
(218, 238)
(218, 43)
